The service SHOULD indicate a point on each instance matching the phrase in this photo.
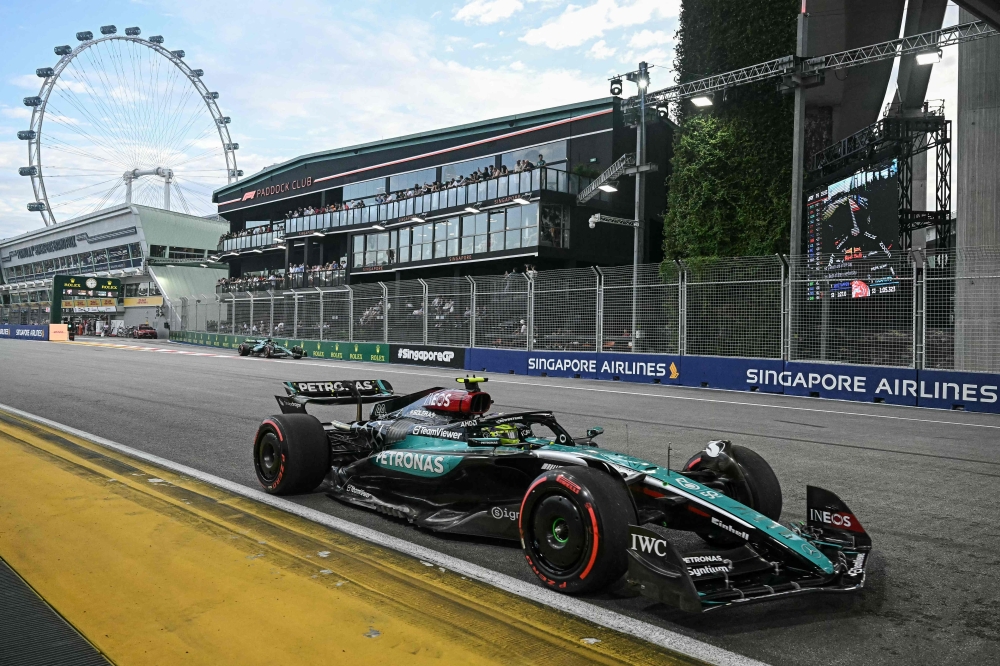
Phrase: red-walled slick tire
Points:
(291, 454)
(574, 529)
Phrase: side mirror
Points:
(594, 432)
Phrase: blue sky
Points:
(298, 76)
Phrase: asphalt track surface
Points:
(923, 482)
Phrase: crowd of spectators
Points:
(251, 231)
(477, 176)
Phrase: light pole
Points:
(625, 222)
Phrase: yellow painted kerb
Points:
(154, 568)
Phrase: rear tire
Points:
(243, 350)
(291, 454)
(574, 529)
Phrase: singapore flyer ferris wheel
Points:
(122, 119)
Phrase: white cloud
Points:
(646, 38)
(485, 12)
(600, 50)
(577, 25)
(517, 66)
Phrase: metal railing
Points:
(922, 310)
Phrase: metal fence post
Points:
(320, 312)
(472, 310)
(923, 310)
(681, 307)
(270, 322)
(599, 315)
(385, 312)
(530, 337)
(423, 307)
(918, 301)
(350, 313)
(295, 314)
(786, 294)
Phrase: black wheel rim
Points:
(560, 537)
(268, 457)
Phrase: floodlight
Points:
(379, 227)
(929, 57)
(521, 200)
(608, 186)
(616, 86)
(416, 219)
(662, 112)
(471, 209)
(702, 101)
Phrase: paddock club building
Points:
(475, 229)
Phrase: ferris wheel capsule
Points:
(133, 32)
(44, 72)
(36, 206)
(84, 36)
(156, 39)
(27, 135)
(108, 29)
(63, 50)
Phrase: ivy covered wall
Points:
(730, 183)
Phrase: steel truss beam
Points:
(790, 66)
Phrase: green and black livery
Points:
(585, 516)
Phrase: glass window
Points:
(382, 241)
(529, 237)
(159, 251)
(482, 223)
(469, 225)
(554, 227)
(497, 221)
(440, 249)
(404, 236)
(513, 239)
(370, 258)
(367, 188)
(453, 247)
(550, 152)
(496, 241)
(529, 215)
(453, 228)
(449, 171)
(359, 243)
(405, 181)
(441, 231)
(514, 217)
(404, 253)
(468, 242)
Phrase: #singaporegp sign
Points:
(279, 188)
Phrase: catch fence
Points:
(919, 310)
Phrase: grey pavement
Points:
(923, 482)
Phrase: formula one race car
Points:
(584, 516)
(268, 348)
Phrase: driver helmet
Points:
(506, 433)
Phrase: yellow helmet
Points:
(506, 433)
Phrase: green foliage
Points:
(586, 171)
(730, 182)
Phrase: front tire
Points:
(574, 529)
(761, 492)
(243, 350)
(291, 454)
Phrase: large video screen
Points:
(852, 234)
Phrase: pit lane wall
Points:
(942, 389)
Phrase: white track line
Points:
(595, 614)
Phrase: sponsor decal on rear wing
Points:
(336, 392)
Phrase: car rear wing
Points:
(336, 392)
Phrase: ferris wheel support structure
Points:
(49, 82)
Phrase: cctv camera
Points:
(592, 222)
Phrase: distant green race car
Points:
(268, 348)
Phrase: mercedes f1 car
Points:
(268, 348)
(584, 516)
